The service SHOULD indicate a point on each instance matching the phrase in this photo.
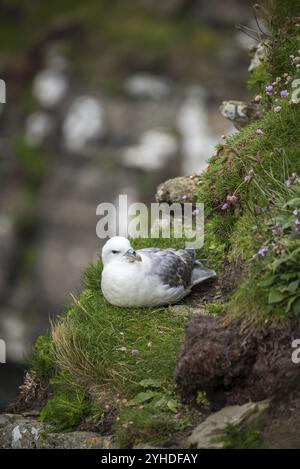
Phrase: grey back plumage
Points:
(177, 268)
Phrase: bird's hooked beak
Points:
(133, 256)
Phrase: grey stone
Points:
(19, 432)
(211, 432)
(74, 440)
(177, 190)
(241, 113)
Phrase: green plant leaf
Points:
(275, 296)
(293, 286)
(268, 281)
(151, 383)
(284, 259)
(142, 397)
(293, 203)
(289, 275)
(161, 403)
(289, 304)
(173, 405)
(296, 306)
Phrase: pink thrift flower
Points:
(262, 251)
(231, 199)
(284, 94)
(225, 206)
(277, 109)
(291, 180)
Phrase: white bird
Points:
(148, 277)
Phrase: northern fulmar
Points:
(148, 277)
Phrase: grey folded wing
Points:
(176, 268)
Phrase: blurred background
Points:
(104, 97)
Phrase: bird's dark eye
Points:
(115, 252)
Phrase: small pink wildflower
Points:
(291, 180)
(262, 251)
(231, 199)
(225, 206)
(284, 94)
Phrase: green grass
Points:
(42, 361)
(68, 406)
(105, 346)
(101, 351)
(234, 236)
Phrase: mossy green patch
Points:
(68, 406)
(259, 77)
(235, 438)
(147, 424)
(42, 361)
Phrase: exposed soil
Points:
(217, 289)
(237, 362)
(203, 293)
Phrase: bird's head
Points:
(118, 248)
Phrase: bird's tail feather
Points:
(201, 273)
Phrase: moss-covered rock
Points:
(232, 427)
(178, 190)
(25, 432)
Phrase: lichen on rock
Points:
(178, 190)
(211, 434)
(19, 432)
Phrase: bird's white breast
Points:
(131, 284)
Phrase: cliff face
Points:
(251, 193)
(111, 370)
